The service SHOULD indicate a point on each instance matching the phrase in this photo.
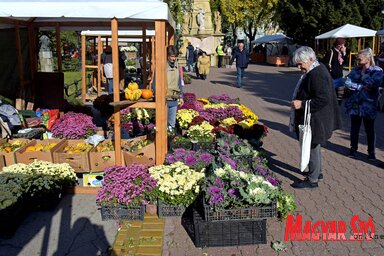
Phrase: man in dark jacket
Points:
(242, 59)
(315, 85)
(190, 57)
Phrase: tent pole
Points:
(58, 49)
(20, 101)
(33, 63)
(144, 67)
(116, 89)
(161, 81)
(99, 51)
(83, 68)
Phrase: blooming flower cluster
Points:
(137, 120)
(125, 186)
(201, 133)
(184, 117)
(194, 159)
(178, 183)
(223, 98)
(74, 126)
(35, 179)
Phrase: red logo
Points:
(329, 230)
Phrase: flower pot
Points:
(151, 209)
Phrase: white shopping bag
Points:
(305, 137)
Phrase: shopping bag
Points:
(305, 137)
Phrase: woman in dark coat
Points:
(315, 85)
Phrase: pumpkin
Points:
(146, 94)
(133, 86)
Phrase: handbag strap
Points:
(307, 113)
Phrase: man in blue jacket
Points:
(242, 59)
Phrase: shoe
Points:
(305, 184)
(352, 153)
(371, 157)
(321, 176)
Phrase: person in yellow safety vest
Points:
(220, 53)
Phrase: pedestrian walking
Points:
(363, 84)
(190, 57)
(196, 54)
(203, 64)
(315, 87)
(242, 59)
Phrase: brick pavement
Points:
(349, 187)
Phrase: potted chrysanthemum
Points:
(178, 185)
(123, 194)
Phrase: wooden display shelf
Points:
(83, 190)
(141, 103)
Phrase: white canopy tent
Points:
(97, 14)
(347, 31)
(350, 31)
(277, 38)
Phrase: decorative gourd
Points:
(146, 94)
(132, 94)
(133, 86)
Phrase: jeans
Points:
(220, 61)
(240, 76)
(110, 85)
(369, 125)
(189, 66)
(172, 109)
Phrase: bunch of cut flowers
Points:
(178, 184)
(197, 160)
(74, 126)
(126, 186)
(137, 120)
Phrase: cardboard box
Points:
(78, 161)
(28, 157)
(93, 179)
(146, 155)
(10, 158)
(2, 162)
(101, 160)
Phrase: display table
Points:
(278, 60)
(258, 58)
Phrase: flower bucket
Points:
(122, 212)
(46, 201)
(151, 209)
(166, 210)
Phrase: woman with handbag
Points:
(314, 88)
(363, 84)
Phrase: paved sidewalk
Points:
(349, 187)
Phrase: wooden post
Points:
(144, 67)
(99, 52)
(83, 68)
(20, 100)
(171, 36)
(33, 61)
(152, 58)
(58, 49)
(161, 81)
(116, 89)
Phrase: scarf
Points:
(339, 57)
(291, 124)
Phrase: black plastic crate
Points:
(223, 233)
(250, 213)
(122, 213)
(166, 210)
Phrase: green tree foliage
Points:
(248, 14)
(178, 8)
(305, 19)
